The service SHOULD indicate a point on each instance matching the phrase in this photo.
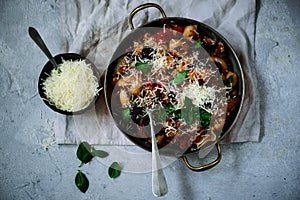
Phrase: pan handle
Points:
(141, 7)
(207, 166)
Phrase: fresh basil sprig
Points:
(85, 153)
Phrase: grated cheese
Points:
(72, 86)
(200, 95)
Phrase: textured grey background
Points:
(269, 169)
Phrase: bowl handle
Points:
(141, 7)
(207, 166)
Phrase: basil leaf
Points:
(187, 113)
(126, 114)
(188, 103)
(99, 153)
(180, 77)
(162, 115)
(205, 118)
(169, 108)
(190, 118)
(198, 44)
(178, 114)
(205, 123)
(144, 67)
(84, 152)
(81, 181)
(204, 114)
(196, 112)
(114, 170)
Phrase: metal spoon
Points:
(159, 183)
(35, 36)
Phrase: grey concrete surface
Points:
(265, 170)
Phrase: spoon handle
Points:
(35, 36)
(159, 183)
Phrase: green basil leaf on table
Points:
(84, 152)
(114, 170)
(81, 181)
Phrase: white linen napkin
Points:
(95, 28)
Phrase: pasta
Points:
(184, 78)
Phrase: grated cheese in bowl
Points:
(72, 86)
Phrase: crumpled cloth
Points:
(94, 28)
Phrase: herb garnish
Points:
(198, 44)
(114, 170)
(144, 67)
(190, 112)
(162, 114)
(187, 113)
(81, 181)
(85, 153)
(180, 77)
(205, 117)
(126, 114)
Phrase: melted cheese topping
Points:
(72, 86)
